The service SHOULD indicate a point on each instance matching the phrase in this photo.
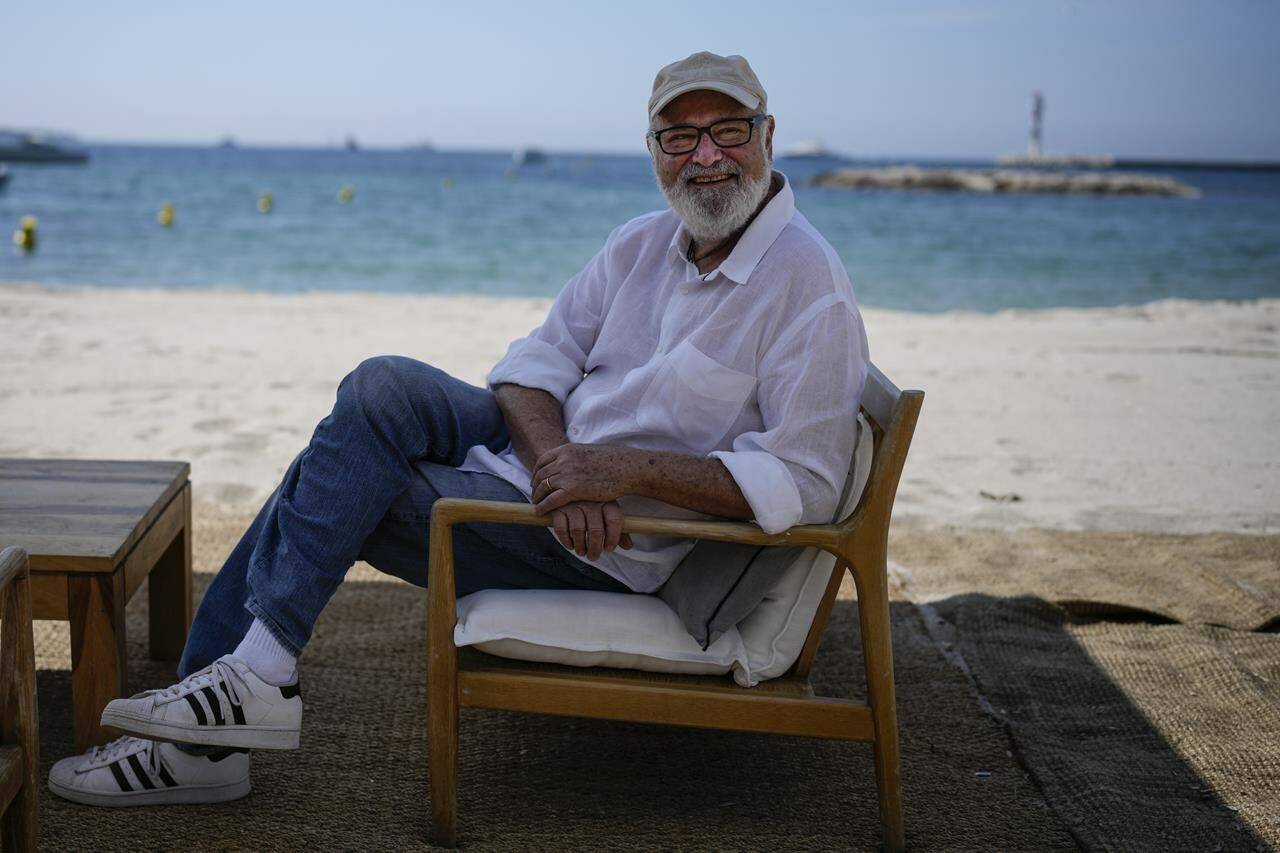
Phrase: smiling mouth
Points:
(710, 179)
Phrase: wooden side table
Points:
(94, 531)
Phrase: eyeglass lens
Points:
(726, 134)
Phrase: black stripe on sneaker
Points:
(235, 709)
(166, 778)
(199, 712)
(214, 705)
(121, 779)
(139, 773)
(288, 691)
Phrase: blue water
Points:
(448, 222)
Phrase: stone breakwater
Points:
(1005, 181)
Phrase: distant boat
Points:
(528, 157)
(424, 145)
(810, 150)
(351, 144)
(32, 147)
(228, 142)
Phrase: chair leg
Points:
(19, 717)
(442, 760)
(442, 688)
(877, 651)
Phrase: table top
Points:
(82, 514)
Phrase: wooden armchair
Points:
(785, 705)
(19, 728)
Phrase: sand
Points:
(1157, 418)
(1119, 461)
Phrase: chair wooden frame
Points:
(785, 705)
(19, 724)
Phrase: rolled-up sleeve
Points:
(552, 357)
(810, 381)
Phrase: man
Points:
(706, 362)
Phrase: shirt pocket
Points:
(693, 399)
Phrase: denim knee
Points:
(381, 378)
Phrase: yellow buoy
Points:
(165, 216)
(25, 237)
(346, 194)
(265, 202)
(447, 183)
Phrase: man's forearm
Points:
(699, 483)
(535, 420)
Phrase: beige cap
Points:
(729, 74)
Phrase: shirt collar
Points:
(754, 242)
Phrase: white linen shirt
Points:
(759, 363)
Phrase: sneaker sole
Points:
(242, 737)
(183, 794)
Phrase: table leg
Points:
(169, 591)
(95, 606)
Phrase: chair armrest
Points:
(450, 511)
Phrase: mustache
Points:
(693, 170)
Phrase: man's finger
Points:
(612, 525)
(560, 523)
(546, 457)
(577, 529)
(552, 502)
(541, 477)
(595, 530)
(625, 541)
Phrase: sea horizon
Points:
(473, 221)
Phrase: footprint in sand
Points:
(246, 442)
(228, 493)
(214, 424)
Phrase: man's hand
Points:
(582, 472)
(589, 528)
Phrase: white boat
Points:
(528, 157)
(33, 147)
(809, 150)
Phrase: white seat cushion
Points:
(633, 631)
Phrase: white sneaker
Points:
(224, 704)
(131, 771)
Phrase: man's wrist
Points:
(639, 469)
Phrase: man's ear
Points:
(768, 136)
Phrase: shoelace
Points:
(116, 749)
(218, 672)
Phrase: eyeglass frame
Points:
(751, 121)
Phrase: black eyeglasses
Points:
(726, 133)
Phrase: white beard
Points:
(713, 213)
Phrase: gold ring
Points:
(546, 484)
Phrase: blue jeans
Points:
(363, 489)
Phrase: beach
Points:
(1154, 418)
(1083, 571)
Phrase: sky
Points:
(868, 79)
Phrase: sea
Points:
(427, 221)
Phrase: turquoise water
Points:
(449, 222)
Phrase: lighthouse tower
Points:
(1037, 118)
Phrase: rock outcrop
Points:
(1005, 181)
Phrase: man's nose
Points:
(707, 153)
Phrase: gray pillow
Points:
(718, 584)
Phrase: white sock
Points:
(266, 656)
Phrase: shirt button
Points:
(575, 430)
(660, 348)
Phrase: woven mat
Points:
(1143, 737)
(1214, 579)
(530, 782)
